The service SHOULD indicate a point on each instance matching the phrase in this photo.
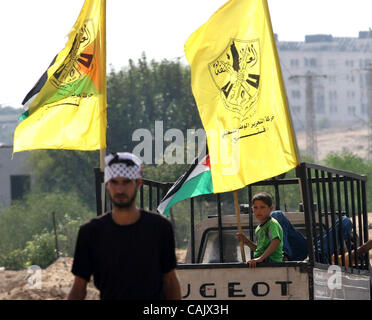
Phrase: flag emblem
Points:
(236, 73)
(78, 61)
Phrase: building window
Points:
(296, 94)
(320, 109)
(310, 62)
(295, 63)
(350, 78)
(349, 63)
(19, 186)
(367, 63)
(296, 109)
(362, 80)
(332, 63)
(351, 111)
(332, 95)
(320, 105)
(350, 94)
(364, 108)
(332, 79)
(333, 109)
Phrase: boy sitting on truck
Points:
(295, 244)
(269, 233)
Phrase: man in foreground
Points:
(130, 252)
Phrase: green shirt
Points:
(265, 233)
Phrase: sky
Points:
(32, 32)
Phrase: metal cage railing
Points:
(337, 195)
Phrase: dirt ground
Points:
(352, 138)
(56, 282)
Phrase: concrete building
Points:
(340, 71)
(15, 177)
(8, 123)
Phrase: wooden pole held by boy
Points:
(237, 212)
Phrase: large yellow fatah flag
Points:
(66, 109)
(237, 84)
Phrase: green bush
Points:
(14, 260)
(41, 251)
(69, 234)
(27, 231)
(349, 161)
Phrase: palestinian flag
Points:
(66, 109)
(196, 181)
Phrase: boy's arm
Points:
(249, 243)
(270, 249)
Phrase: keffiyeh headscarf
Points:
(123, 165)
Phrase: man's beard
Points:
(126, 204)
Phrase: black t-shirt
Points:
(127, 262)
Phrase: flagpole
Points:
(237, 212)
(102, 152)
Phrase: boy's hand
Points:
(241, 237)
(252, 263)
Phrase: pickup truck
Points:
(213, 267)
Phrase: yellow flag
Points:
(67, 106)
(237, 84)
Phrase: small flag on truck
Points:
(196, 181)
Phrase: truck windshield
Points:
(210, 252)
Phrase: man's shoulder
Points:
(97, 221)
(154, 217)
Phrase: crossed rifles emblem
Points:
(236, 73)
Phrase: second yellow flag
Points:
(237, 84)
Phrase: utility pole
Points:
(368, 121)
(369, 110)
(310, 118)
(310, 121)
(55, 233)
